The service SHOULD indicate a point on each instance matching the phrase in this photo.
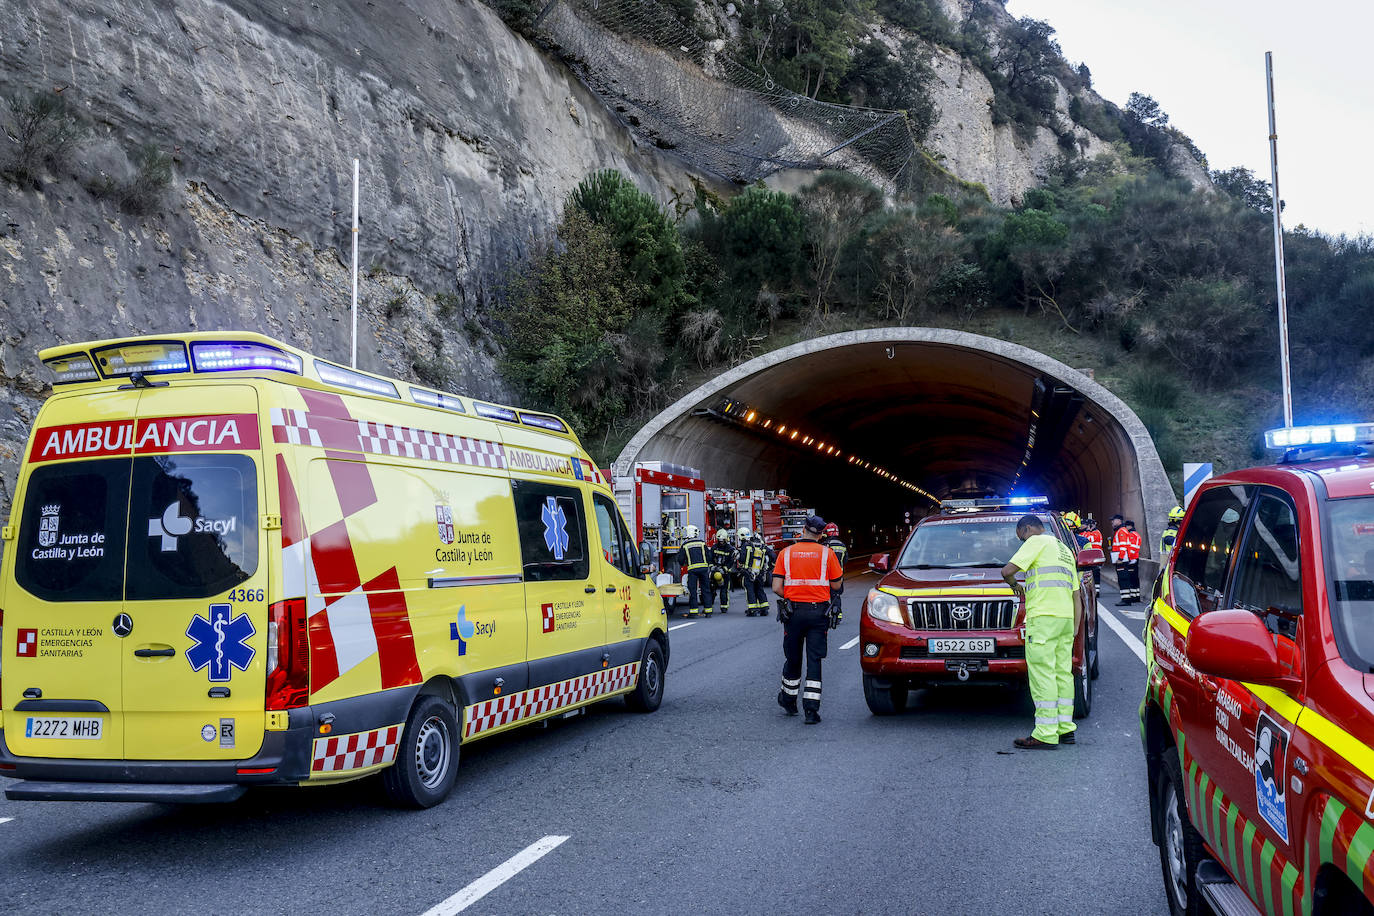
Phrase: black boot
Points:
(813, 717)
(788, 704)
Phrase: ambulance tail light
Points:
(288, 655)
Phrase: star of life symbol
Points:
(169, 527)
(220, 642)
(47, 525)
(555, 528)
(443, 516)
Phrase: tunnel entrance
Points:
(868, 426)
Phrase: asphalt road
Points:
(716, 803)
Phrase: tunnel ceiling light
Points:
(749, 417)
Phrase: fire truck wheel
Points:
(1083, 691)
(885, 700)
(427, 760)
(648, 692)
(1180, 847)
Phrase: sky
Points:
(1203, 61)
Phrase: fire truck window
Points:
(553, 532)
(71, 533)
(1206, 547)
(1350, 527)
(1268, 571)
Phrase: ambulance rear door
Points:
(62, 655)
(196, 588)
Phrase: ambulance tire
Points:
(1180, 849)
(648, 692)
(427, 761)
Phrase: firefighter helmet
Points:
(691, 532)
(832, 530)
(1176, 514)
(1072, 520)
(745, 534)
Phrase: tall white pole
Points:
(1278, 247)
(354, 361)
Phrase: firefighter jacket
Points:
(723, 555)
(692, 555)
(1166, 540)
(1121, 545)
(837, 545)
(754, 557)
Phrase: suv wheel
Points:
(885, 700)
(427, 761)
(1083, 691)
(1180, 847)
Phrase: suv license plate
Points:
(963, 645)
(64, 727)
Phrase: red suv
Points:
(942, 614)
(1259, 712)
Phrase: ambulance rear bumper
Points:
(173, 793)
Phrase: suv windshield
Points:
(961, 543)
(1350, 559)
(155, 527)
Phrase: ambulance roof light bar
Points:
(1002, 503)
(232, 356)
(145, 357)
(73, 367)
(1333, 434)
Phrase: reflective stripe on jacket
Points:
(693, 554)
(807, 569)
(1120, 545)
(1132, 546)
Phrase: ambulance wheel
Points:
(885, 700)
(1083, 691)
(648, 692)
(427, 761)
(1180, 845)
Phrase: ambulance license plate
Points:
(963, 645)
(64, 727)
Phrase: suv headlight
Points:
(885, 607)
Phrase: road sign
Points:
(1194, 475)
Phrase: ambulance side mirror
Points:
(1088, 557)
(880, 562)
(1235, 644)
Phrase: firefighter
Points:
(804, 576)
(1166, 540)
(1054, 607)
(1094, 536)
(753, 559)
(723, 561)
(832, 540)
(692, 559)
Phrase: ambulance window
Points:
(1206, 546)
(71, 533)
(1268, 573)
(553, 532)
(193, 525)
(615, 540)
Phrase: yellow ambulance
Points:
(232, 563)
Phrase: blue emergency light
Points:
(1334, 434)
(1002, 503)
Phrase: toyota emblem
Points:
(963, 614)
(123, 625)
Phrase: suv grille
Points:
(960, 614)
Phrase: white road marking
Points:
(851, 644)
(690, 623)
(1120, 629)
(5, 820)
(497, 877)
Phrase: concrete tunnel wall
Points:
(947, 409)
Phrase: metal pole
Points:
(1278, 247)
(354, 360)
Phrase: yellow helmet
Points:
(1176, 514)
(717, 576)
(1072, 520)
(691, 532)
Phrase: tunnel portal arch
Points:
(950, 411)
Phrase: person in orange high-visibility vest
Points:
(1121, 542)
(1094, 536)
(804, 575)
(1133, 558)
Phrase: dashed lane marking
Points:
(5, 820)
(851, 644)
(497, 876)
(690, 623)
(1120, 629)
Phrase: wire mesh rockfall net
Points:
(678, 92)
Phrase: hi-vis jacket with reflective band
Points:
(1050, 575)
(1121, 545)
(807, 568)
(1094, 538)
(837, 545)
(754, 557)
(692, 555)
(1132, 546)
(722, 555)
(1166, 541)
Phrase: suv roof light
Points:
(1331, 434)
(1002, 503)
(233, 355)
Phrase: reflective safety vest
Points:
(692, 555)
(1132, 546)
(722, 555)
(754, 557)
(807, 569)
(1094, 538)
(1121, 542)
(837, 545)
(1166, 540)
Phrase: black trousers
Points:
(753, 592)
(698, 588)
(1128, 581)
(723, 590)
(808, 628)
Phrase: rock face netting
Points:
(677, 91)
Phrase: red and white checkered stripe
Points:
(481, 717)
(27, 643)
(385, 439)
(352, 752)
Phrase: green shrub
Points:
(146, 190)
(40, 131)
(1155, 390)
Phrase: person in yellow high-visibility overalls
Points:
(1053, 608)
